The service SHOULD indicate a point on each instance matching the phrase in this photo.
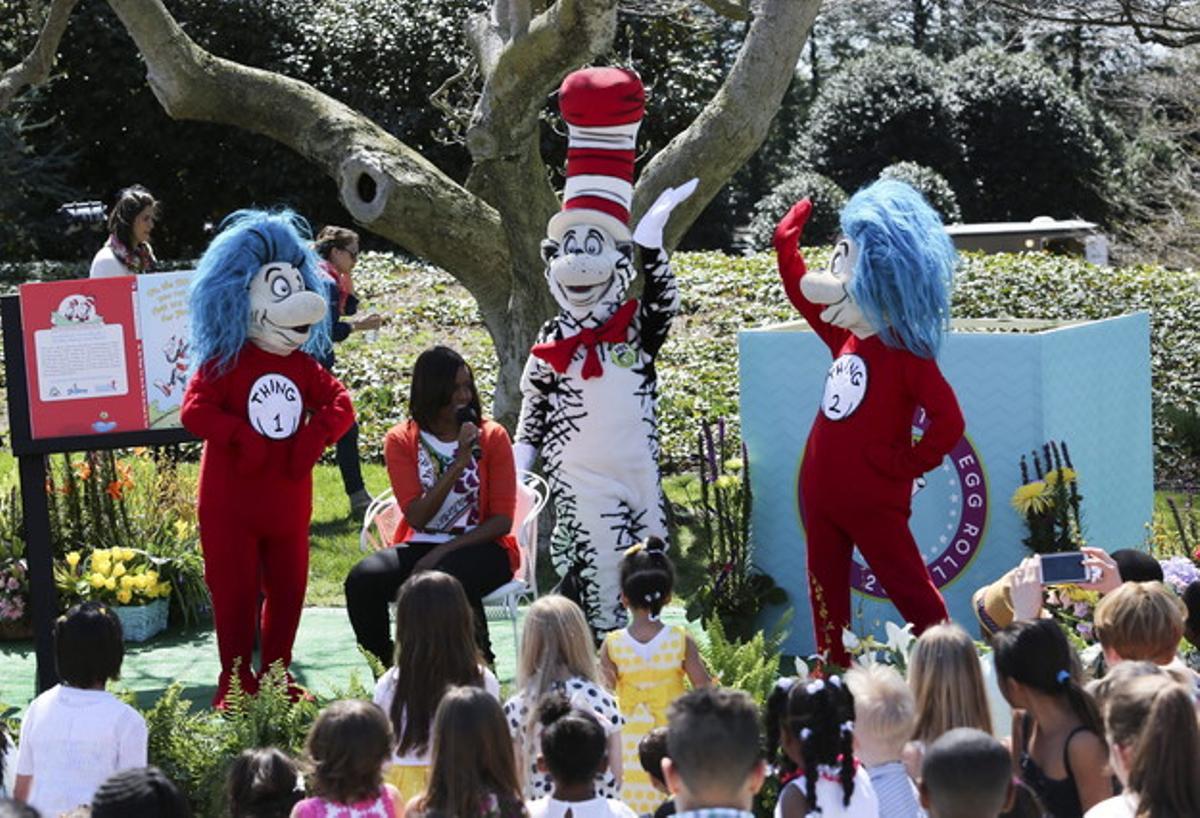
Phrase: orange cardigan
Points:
(497, 477)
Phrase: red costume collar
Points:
(559, 353)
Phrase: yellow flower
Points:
(97, 580)
(127, 554)
(128, 581)
(141, 581)
(1065, 474)
(124, 596)
(727, 481)
(181, 529)
(119, 569)
(152, 576)
(73, 559)
(1031, 497)
(110, 583)
(734, 464)
(163, 588)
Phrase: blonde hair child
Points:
(647, 662)
(884, 715)
(947, 685)
(557, 654)
(1140, 621)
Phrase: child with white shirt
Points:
(76, 734)
(574, 750)
(884, 717)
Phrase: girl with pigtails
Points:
(647, 662)
(1058, 737)
(812, 723)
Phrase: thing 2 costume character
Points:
(882, 307)
(266, 410)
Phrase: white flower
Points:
(1090, 654)
(801, 669)
(899, 640)
(849, 640)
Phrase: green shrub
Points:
(884, 107)
(931, 184)
(752, 666)
(828, 200)
(1029, 144)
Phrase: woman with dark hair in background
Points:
(130, 223)
(454, 480)
(338, 249)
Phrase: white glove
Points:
(524, 455)
(649, 232)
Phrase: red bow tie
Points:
(559, 353)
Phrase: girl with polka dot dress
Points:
(557, 655)
(647, 662)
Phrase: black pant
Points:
(372, 585)
(347, 460)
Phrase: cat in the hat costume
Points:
(589, 387)
(882, 307)
(266, 410)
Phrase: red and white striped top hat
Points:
(603, 108)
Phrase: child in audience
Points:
(652, 749)
(714, 761)
(263, 783)
(812, 722)
(966, 774)
(1140, 621)
(76, 734)
(17, 809)
(435, 650)
(142, 791)
(1058, 739)
(884, 715)
(647, 662)
(472, 771)
(947, 683)
(556, 654)
(1152, 729)
(347, 747)
(574, 750)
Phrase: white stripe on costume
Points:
(611, 137)
(604, 187)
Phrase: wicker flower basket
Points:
(140, 622)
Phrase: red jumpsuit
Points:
(265, 423)
(860, 463)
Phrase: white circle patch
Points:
(845, 387)
(275, 406)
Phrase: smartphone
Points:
(1067, 567)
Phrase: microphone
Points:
(467, 415)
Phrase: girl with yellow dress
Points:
(646, 663)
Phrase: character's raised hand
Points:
(787, 232)
(649, 232)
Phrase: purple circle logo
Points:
(951, 500)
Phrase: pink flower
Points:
(1082, 610)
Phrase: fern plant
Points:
(752, 666)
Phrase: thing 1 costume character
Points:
(266, 410)
(589, 388)
(882, 307)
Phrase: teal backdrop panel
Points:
(1020, 384)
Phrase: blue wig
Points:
(905, 265)
(219, 296)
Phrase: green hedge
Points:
(723, 294)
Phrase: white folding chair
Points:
(502, 603)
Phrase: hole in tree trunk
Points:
(366, 188)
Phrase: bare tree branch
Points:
(735, 122)
(1171, 23)
(35, 68)
(386, 186)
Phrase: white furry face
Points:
(832, 286)
(587, 269)
(282, 310)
